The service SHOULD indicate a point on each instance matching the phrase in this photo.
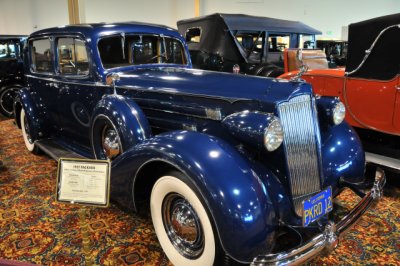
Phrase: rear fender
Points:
(230, 187)
(23, 100)
(126, 116)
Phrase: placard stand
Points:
(84, 213)
(86, 183)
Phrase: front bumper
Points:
(329, 239)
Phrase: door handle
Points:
(397, 87)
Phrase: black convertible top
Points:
(383, 62)
(246, 22)
(216, 31)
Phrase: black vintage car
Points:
(335, 50)
(243, 43)
(11, 71)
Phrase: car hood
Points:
(211, 84)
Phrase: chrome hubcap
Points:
(183, 226)
(110, 142)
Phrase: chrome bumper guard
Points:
(329, 239)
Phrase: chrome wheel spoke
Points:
(183, 226)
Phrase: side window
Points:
(193, 35)
(41, 57)
(7, 50)
(278, 42)
(72, 57)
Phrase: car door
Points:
(77, 95)
(371, 102)
(40, 80)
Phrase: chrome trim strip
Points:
(368, 51)
(382, 160)
(217, 117)
(69, 82)
(174, 92)
(327, 240)
(132, 87)
(301, 148)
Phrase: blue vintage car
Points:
(11, 71)
(233, 168)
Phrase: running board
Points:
(56, 151)
(383, 160)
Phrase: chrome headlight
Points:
(338, 113)
(273, 135)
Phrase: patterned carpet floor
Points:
(36, 229)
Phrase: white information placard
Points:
(85, 182)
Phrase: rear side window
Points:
(72, 57)
(193, 35)
(41, 56)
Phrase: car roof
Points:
(12, 37)
(93, 30)
(255, 23)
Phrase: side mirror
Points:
(111, 78)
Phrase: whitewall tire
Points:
(176, 208)
(29, 143)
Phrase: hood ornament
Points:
(302, 68)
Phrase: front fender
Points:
(129, 120)
(237, 199)
(23, 100)
(342, 155)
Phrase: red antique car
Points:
(369, 86)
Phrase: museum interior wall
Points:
(26, 16)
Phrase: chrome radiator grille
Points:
(301, 148)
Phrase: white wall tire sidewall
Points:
(29, 146)
(170, 184)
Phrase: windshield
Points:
(121, 50)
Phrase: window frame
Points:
(30, 45)
(56, 57)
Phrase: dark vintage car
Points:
(243, 43)
(230, 166)
(11, 71)
(335, 50)
(369, 86)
